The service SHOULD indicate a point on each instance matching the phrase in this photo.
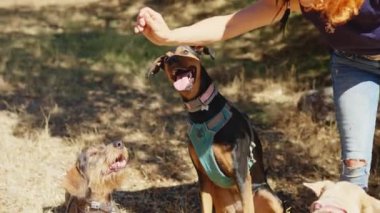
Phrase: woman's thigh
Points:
(356, 96)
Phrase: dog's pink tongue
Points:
(184, 83)
(117, 166)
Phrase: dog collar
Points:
(202, 102)
(325, 206)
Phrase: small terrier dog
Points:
(341, 197)
(97, 172)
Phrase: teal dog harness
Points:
(202, 136)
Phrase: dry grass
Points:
(31, 168)
(72, 75)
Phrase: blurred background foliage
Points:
(63, 54)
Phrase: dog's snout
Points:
(118, 144)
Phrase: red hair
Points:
(336, 12)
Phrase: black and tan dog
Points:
(97, 172)
(224, 146)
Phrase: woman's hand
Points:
(151, 24)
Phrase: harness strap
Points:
(202, 102)
(251, 158)
(258, 186)
(219, 120)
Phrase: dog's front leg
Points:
(206, 198)
(246, 195)
(204, 182)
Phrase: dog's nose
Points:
(172, 60)
(118, 144)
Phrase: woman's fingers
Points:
(153, 19)
(140, 25)
(152, 25)
(150, 11)
(140, 21)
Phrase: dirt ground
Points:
(72, 75)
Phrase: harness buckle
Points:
(95, 205)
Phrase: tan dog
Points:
(219, 128)
(341, 197)
(97, 172)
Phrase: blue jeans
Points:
(356, 94)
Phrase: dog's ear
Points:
(210, 52)
(318, 187)
(75, 181)
(157, 65)
(204, 50)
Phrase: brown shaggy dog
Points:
(97, 172)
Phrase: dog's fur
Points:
(97, 172)
(231, 145)
(341, 197)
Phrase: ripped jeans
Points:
(356, 94)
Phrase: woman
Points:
(352, 29)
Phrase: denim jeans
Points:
(356, 94)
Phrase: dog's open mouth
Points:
(184, 78)
(119, 164)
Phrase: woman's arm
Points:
(217, 28)
(259, 14)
